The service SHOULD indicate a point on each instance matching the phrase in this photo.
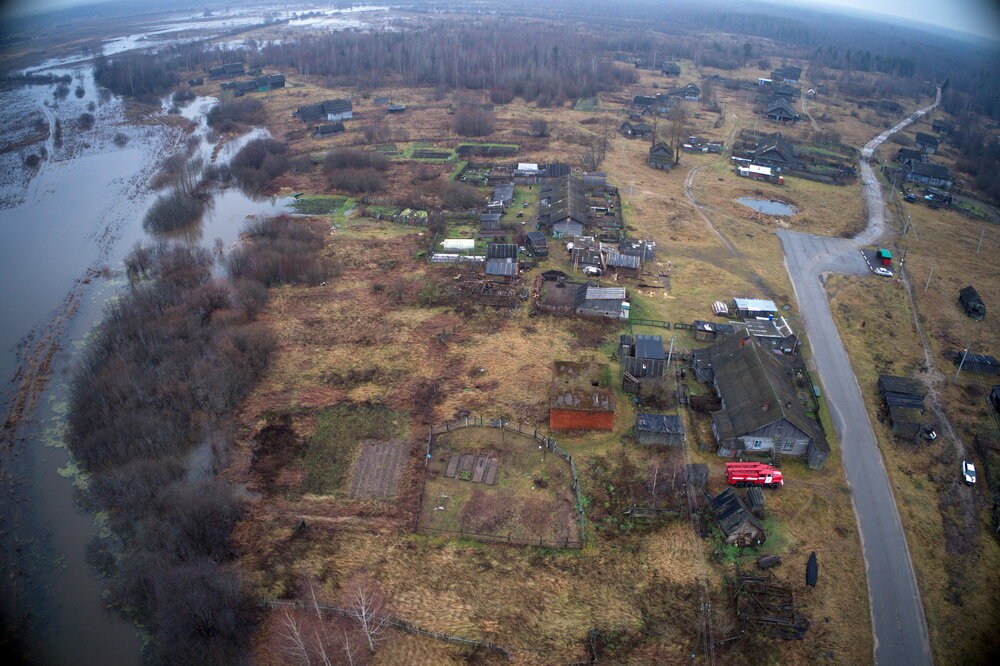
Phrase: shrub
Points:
(349, 158)
(79, 92)
(282, 250)
(172, 211)
(473, 121)
(32, 161)
(229, 116)
(85, 121)
(258, 163)
(459, 196)
(120, 140)
(356, 181)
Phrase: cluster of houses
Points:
(760, 411)
(915, 165)
(227, 71)
(333, 111)
(660, 104)
(259, 84)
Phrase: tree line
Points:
(149, 422)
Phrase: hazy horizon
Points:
(974, 17)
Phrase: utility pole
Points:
(928, 284)
(965, 353)
(980, 246)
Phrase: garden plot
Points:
(496, 485)
(378, 469)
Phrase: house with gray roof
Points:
(761, 410)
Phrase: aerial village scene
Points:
(451, 333)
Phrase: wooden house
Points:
(927, 142)
(328, 129)
(775, 151)
(338, 109)
(904, 402)
(907, 156)
(690, 92)
(659, 430)
(643, 356)
(761, 410)
(736, 522)
(536, 242)
(633, 130)
(751, 308)
(942, 127)
(661, 156)
(928, 173)
(786, 74)
(490, 227)
(603, 302)
(780, 110)
(580, 398)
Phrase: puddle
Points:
(768, 206)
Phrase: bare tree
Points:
(678, 129)
(366, 605)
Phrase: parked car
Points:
(882, 270)
(968, 473)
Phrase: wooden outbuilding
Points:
(737, 523)
(659, 429)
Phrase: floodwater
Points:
(768, 206)
(62, 248)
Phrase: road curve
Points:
(898, 623)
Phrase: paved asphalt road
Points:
(898, 622)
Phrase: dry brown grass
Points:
(887, 343)
(541, 604)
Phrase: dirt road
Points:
(898, 622)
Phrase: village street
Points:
(899, 625)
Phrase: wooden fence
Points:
(544, 440)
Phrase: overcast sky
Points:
(980, 17)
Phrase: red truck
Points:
(746, 474)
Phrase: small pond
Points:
(769, 206)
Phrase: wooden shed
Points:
(659, 429)
(737, 523)
(904, 401)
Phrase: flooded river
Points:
(63, 242)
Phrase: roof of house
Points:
(689, 89)
(490, 217)
(775, 147)
(536, 237)
(781, 106)
(930, 170)
(593, 293)
(755, 304)
(978, 359)
(501, 251)
(714, 327)
(757, 390)
(649, 346)
(619, 260)
(503, 191)
(659, 423)
(566, 198)
(337, 106)
(310, 111)
(928, 139)
(505, 267)
(661, 148)
(911, 154)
